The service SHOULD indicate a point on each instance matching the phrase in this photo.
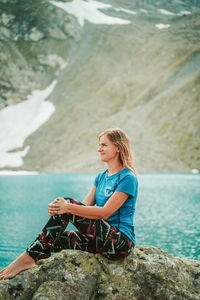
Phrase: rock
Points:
(35, 35)
(57, 290)
(148, 273)
(27, 31)
(72, 27)
(6, 19)
(5, 33)
(2, 102)
(56, 33)
(52, 60)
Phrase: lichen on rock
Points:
(148, 273)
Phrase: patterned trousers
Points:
(93, 235)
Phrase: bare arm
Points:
(89, 200)
(90, 212)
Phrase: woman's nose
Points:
(99, 149)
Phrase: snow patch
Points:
(169, 13)
(19, 121)
(162, 26)
(10, 172)
(166, 12)
(13, 159)
(126, 11)
(89, 10)
(184, 12)
(195, 171)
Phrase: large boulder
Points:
(148, 273)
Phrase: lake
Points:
(167, 211)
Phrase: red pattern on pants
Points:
(93, 235)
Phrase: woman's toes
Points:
(2, 276)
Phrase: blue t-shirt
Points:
(123, 181)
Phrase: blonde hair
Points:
(121, 140)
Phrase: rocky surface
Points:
(149, 273)
(133, 76)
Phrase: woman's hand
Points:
(58, 206)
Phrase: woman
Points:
(105, 217)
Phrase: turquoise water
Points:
(167, 211)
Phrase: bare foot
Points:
(2, 270)
(22, 263)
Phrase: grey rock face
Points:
(148, 273)
(29, 30)
(36, 35)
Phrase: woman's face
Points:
(108, 151)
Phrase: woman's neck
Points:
(113, 169)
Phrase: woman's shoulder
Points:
(100, 176)
(128, 174)
(127, 171)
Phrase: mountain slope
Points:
(133, 76)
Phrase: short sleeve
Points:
(128, 185)
(96, 181)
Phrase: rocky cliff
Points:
(32, 37)
(148, 273)
(141, 74)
